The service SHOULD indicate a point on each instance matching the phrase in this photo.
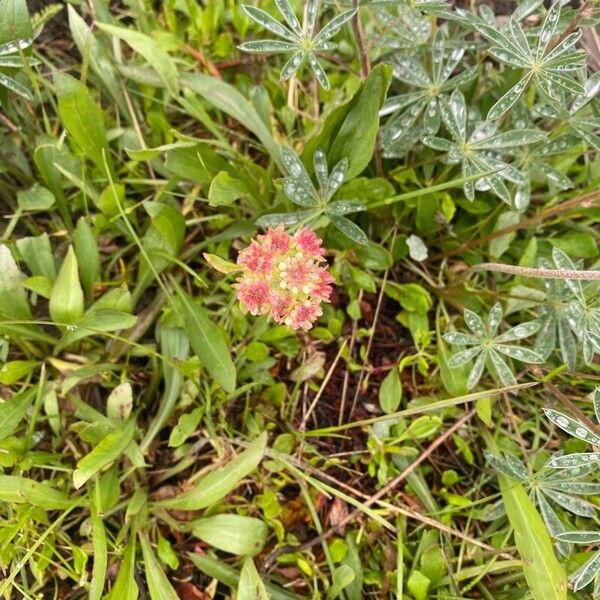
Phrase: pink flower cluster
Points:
(285, 277)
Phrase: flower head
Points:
(285, 277)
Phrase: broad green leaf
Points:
(88, 255)
(220, 264)
(14, 303)
(36, 197)
(342, 577)
(66, 301)
(174, 346)
(229, 576)
(110, 448)
(350, 131)
(12, 412)
(158, 584)
(100, 555)
(83, 119)
(225, 97)
(95, 321)
(15, 23)
(225, 189)
(120, 402)
(207, 341)
(144, 45)
(216, 485)
(21, 490)
(390, 392)
(251, 586)
(99, 61)
(453, 378)
(37, 253)
(544, 574)
(236, 534)
(125, 587)
(16, 370)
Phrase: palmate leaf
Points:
(344, 207)
(350, 229)
(268, 22)
(586, 573)
(551, 70)
(14, 86)
(552, 521)
(15, 46)
(571, 426)
(300, 41)
(334, 26)
(573, 461)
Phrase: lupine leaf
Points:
(350, 229)
(571, 426)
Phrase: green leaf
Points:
(216, 485)
(158, 584)
(227, 575)
(236, 534)
(350, 229)
(14, 303)
(66, 300)
(342, 577)
(225, 189)
(350, 131)
(120, 402)
(96, 321)
(36, 197)
(220, 264)
(83, 119)
(125, 587)
(573, 461)
(15, 370)
(579, 244)
(15, 23)
(37, 253)
(544, 574)
(156, 57)
(12, 412)
(571, 426)
(100, 555)
(227, 98)
(453, 378)
(251, 586)
(21, 490)
(390, 392)
(92, 50)
(207, 341)
(110, 448)
(88, 255)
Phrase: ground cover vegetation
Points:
(299, 299)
